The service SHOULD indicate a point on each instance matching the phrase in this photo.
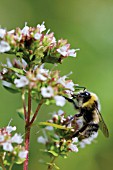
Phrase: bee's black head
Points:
(84, 96)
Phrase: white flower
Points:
(1, 138)
(9, 64)
(5, 70)
(42, 140)
(25, 30)
(23, 154)
(23, 81)
(57, 145)
(50, 128)
(42, 73)
(17, 138)
(62, 80)
(7, 146)
(60, 100)
(41, 27)
(4, 46)
(60, 112)
(69, 85)
(41, 77)
(47, 91)
(37, 36)
(73, 147)
(66, 83)
(24, 64)
(62, 50)
(72, 53)
(1, 77)
(74, 140)
(9, 129)
(2, 33)
(53, 40)
(11, 32)
(69, 125)
(55, 116)
(19, 37)
(62, 119)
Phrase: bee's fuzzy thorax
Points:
(92, 99)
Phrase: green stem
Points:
(50, 166)
(24, 105)
(10, 168)
(2, 164)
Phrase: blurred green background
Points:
(88, 25)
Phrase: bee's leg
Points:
(72, 101)
(80, 130)
(75, 106)
(73, 117)
(92, 127)
(78, 114)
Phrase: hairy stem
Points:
(28, 127)
(27, 143)
(27, 130)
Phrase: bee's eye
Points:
(86, 94)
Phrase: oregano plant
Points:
(27, 75)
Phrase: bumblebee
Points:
(88, 106)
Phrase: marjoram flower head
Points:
(35, 45)
(11, 146)
(59, 140)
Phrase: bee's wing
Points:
(102, 125)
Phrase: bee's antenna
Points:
(77, 87)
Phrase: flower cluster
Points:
(58, 135)
(11, 149)
(35, 45)
(44, 84)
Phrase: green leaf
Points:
(17, 70)
(1, 168)
(19, 54)
(56, 167)
(53, 125)
(20, 112)
(20, 161)
(53, 165)
(53, 153)
(11, 90)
